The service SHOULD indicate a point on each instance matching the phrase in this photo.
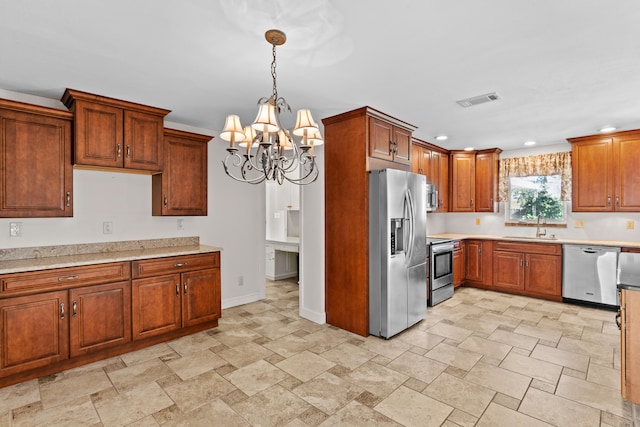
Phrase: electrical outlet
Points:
(180, 224)
(630, 225)
(578, 223)
(15, 229)
(107, 227)
(477, 221)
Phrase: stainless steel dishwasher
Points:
(589, 274)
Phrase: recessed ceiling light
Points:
(530, 143)
(469, 149)
(607, 129)
(442, 137)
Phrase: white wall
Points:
(235, 218)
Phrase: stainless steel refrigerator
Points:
(397, 251)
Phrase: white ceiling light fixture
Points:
(271, 153)
(529, 143)
(442, 137)
(469, 149)
(607, 129)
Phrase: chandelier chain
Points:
(274, 75)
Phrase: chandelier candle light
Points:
(270, 151)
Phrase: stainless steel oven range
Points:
(440, 270)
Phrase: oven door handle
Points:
(441, 248)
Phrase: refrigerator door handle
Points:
(410, 217)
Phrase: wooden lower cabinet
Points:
(166, 303)
(100, 317)
(97, 311)
(630, 344)
(459, 264)
(533, 269)
(34, 331)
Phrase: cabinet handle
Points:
(479, 249)
(520, 262)
(527, 264)
(471, 202)
(185, 287)
(491, 202)
(118, 150)
(68, 198)
(128, 151)
(179, 264)
(608, 200)
(62, 310)
(75, 309)
(617, 201)
(177, 289)
(64, 278)
(166, 202)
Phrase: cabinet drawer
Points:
(533, 248)
(64, 277)
(176, 264)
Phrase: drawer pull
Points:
(62, 310)
(179, 264)
(128, 151)
(75, 309)
(177, 289)
(64, 278)
(185, 287)
(118, 151)
(68, 198)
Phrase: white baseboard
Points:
(314, 316)
(281, 276)
(244, 299)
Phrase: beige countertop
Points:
(47, 257)
(456, 236)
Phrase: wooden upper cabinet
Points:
(35, 161)
(433, 162)
(110, 133)
(442, 181)
(605, 172)
(463, 181)
(420, 159)
(389, 142)
(487, 162)
(181, 189)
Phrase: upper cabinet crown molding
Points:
(111, 133)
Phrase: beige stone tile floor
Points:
(479, 359)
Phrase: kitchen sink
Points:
(553, 237)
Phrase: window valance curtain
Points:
(541, 164)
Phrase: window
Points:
(533, 186)
(535, 196)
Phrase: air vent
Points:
(477, 100)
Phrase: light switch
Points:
(630, 225)
(578, 223)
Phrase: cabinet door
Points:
(543, 274)
(401, 145)
(417, 162)
(630, 344)
(100, 317)
(201, 296)
(627, 175)
(98, 135)
(156, 305)
(463, 173)
(486, 165)
(181, 189)
(592, 171)
(34, 331)
(143, 136)
(35, 166)
(442, 183)
(380, 136)
(458, 264)
(474, 260)
(508, 270)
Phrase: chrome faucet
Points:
(544, 223)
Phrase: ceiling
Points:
(561, 68)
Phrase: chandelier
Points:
(269, 150)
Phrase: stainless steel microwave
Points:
(432, 197)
